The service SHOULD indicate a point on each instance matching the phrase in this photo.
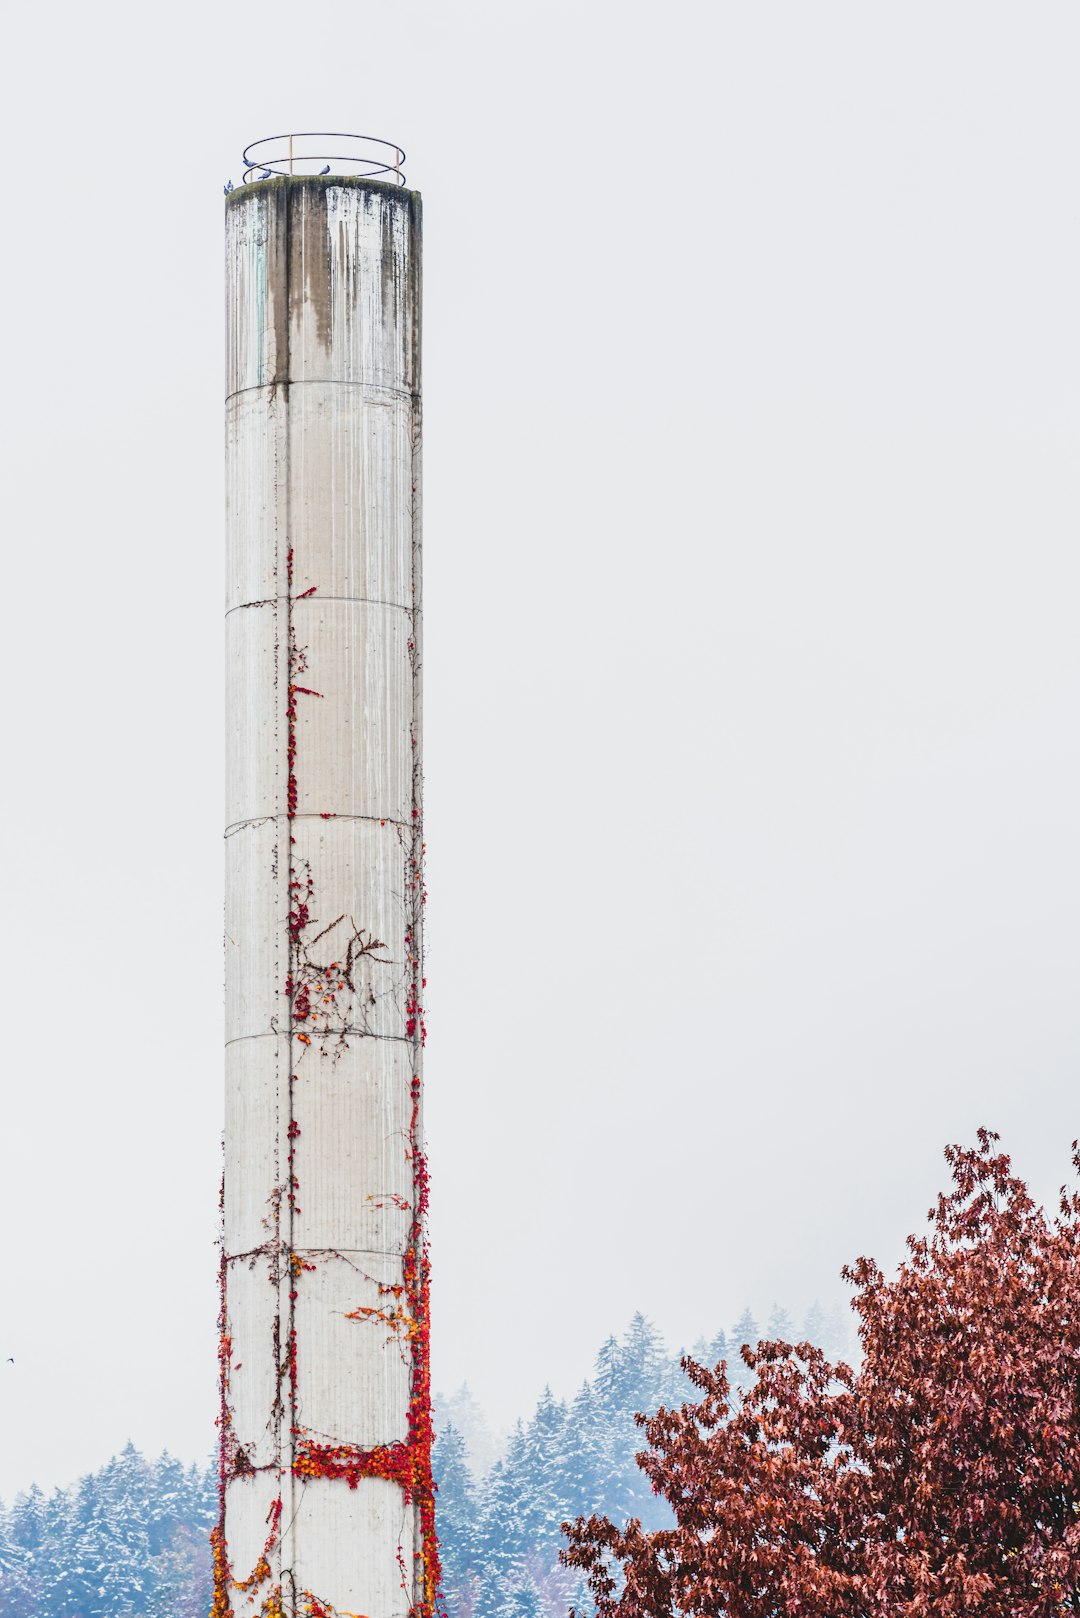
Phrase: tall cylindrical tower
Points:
(325, 1417)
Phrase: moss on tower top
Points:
(355, 182)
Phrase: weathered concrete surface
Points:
(323, 1320)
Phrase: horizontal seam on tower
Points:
(331, 1252)
(261, 820)
(364, 601)
(361, 1252)
(324, 382)
(337, 1033)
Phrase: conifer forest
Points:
(936, 1470)
(131, 1540)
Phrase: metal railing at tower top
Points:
(364, 157)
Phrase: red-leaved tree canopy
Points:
(943, 1476)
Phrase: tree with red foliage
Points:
(940, 1477)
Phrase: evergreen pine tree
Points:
(814, 1326)
(169, 1504)
(26, 1521)
(521, 1597)
(781, 1327)
(464, 1411)
(745, 1333)
(840, 1342)
(457, 1519)
(57, 1517)
(630, 1378)
(585, 1467)
(642, 1366)
(500, 1541)
(720, 1348)
(543, 1494)
(17, 1592)
(182, 1577)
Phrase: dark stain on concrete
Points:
(310, 266)
(299, 256)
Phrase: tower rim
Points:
(352, 182)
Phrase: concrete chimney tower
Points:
(326, 1492)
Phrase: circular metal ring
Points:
(361, 162)
(274, 164)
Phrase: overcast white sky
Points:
(752, 411)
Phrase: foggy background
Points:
(751, 391)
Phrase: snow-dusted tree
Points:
(182, 1580)
(585, 1468)
(781, 1327)
(744, 1334)
(18, 1595)
(544, 1495)
(521, 1597)
(501, 1543)
(631, 1375)
(458, 1519)
(464, 1411)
